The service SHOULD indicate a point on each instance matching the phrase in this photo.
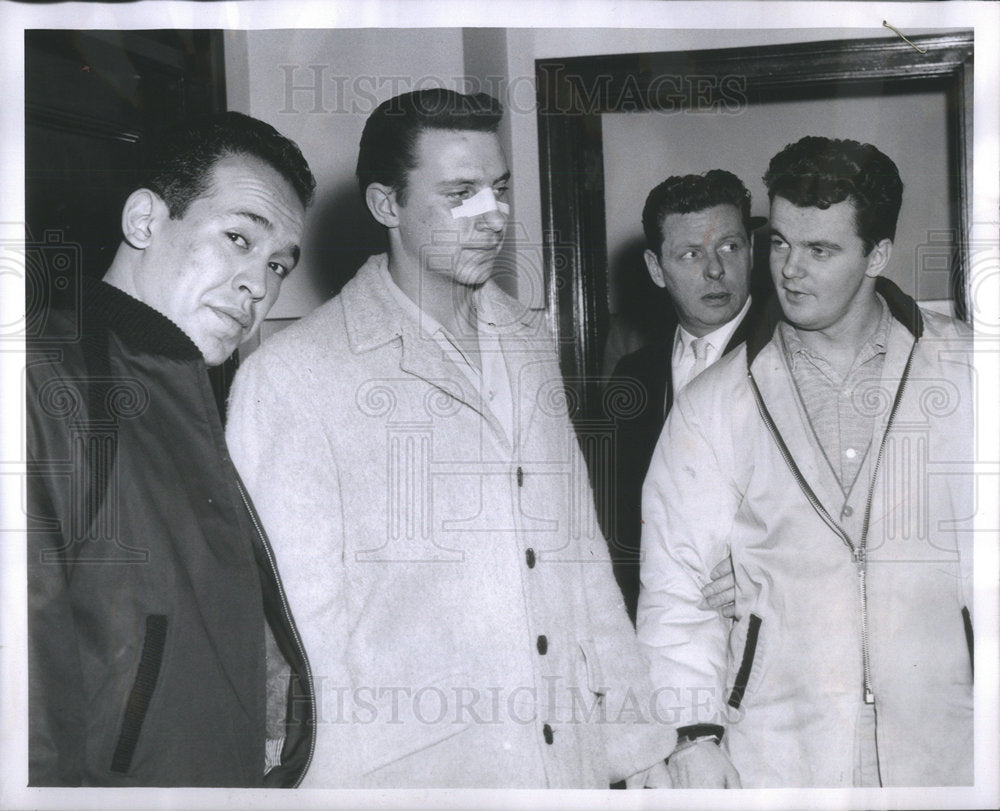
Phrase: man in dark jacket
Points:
(152, 591)
(698, 249)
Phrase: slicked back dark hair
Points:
(821, 172)
(684, 194)
(179, 163)
(389, 141)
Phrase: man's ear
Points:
(382, 203)
(653, 266)
(141, 210)
(878, 258)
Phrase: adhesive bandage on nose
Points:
(482, 201)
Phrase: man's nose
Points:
(713, 268)
(493, 220)
(253, 279)
(789, 263)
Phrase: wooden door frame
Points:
(574, 92)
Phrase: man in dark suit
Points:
(699, 249)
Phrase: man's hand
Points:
(720, 593)
(655, 776)
(702, 765)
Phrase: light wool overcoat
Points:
(788, 680)
(454, 593)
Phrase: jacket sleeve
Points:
(633, 739)
(277, 442)
(688, 508)
(57, 743)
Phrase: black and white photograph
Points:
(500, 405)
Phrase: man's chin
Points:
(474, 275)
(716, 318)
(217, 352)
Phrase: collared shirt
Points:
(491, 380)
(682, 360)
(841, 411)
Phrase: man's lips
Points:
(241, 317)
(717, 297)
(794, 295)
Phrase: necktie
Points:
(699, 346)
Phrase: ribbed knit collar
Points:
(137, 324)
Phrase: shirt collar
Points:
(425, 322)
(717, 338)
(874, 345)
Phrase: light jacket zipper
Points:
(859, 552)
(291, 624)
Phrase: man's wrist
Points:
(690, 736)
(694, 732)
(690, 745)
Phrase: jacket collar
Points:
(102, 307)
(901, 307)
(772, 376)
(374, 318)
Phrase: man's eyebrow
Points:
(813, 243)
(256, 218)
(462, 181)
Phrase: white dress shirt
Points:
(683, 360)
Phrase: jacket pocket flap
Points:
(595, 671)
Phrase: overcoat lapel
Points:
(423, 358)
(374, 318)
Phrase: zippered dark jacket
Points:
(150, 582)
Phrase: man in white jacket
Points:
(408, 448)
(831, 458)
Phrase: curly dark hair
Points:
(388, 143)
(683, 194)
(178, 164)
(821, 172)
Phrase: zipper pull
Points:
(869, 695)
